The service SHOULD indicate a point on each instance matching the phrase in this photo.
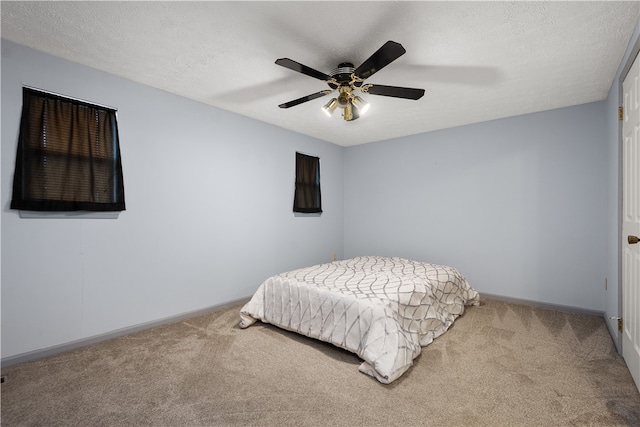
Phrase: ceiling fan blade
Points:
(395, 91)
(305, 99)
(388, 53)
(300, 68)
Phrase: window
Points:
(307, 191)
(68, 156)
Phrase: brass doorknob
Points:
(632, 239)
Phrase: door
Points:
(631, 221)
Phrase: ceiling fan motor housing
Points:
(343, 73)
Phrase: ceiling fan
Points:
(346, 80)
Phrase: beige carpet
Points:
(501, 364)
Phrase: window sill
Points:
(71, 214)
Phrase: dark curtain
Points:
(68, 156)
(307, 192)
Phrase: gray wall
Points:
(209, 213)
(526, 207)
(518, 205)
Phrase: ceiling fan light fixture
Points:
(330, 106)
(343, 100)
(347, 112)
(361, 104)
(355, 113)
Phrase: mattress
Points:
(384, 309)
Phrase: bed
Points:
(384, 309)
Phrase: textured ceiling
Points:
(477, 61)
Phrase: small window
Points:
(68, 156)
(307, 191)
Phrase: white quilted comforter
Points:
(382, 309)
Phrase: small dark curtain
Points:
(68, 156)
(307, 197)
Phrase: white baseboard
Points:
(549, 306)
(50, 351)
